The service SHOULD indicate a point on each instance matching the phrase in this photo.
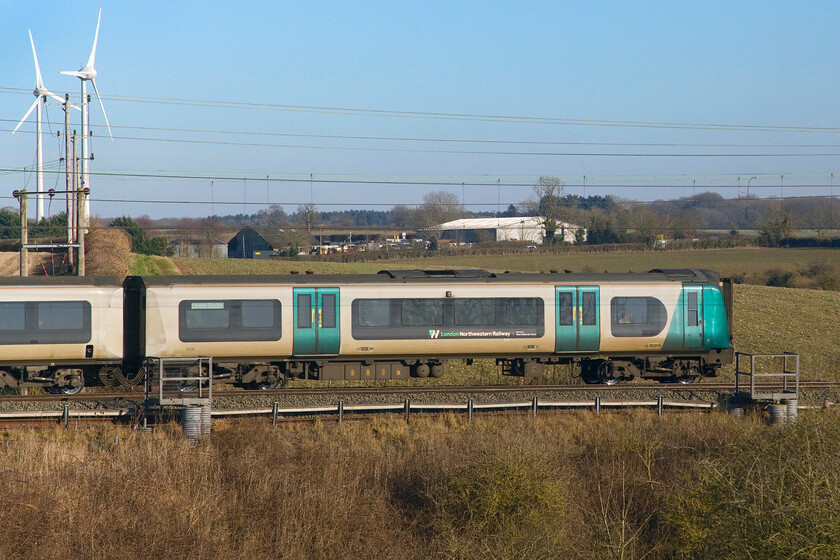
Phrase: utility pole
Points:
(81, 198)
(24, 232)
(68, 182)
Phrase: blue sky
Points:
(584, 85)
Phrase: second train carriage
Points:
(673, 325)
(55, 332)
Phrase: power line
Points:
(488, 181)
(478, 152)
(455, 116)
(443, 140)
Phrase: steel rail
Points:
(414, 390)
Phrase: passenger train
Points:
(63, 333)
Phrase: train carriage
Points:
(55, 332)
(674, 325)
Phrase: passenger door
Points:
(316, 320)
(577, 319)
(692, 311)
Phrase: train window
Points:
(438, 318)
(207, 315)
(565, 314)
(257, 314)
(328, 311)
(588, 306)
(474, 312)
(45, 322)
(693, 319)
(637, 316)
(373, 312)
(12, 316)
(422, 312)
(60, 315)
(232, 320)
(521, 311)
(304, 311)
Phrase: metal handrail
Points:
(757, 391)
(204, 395)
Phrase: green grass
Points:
(150, 265)
(726, 261)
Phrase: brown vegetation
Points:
(626, 486)
(107, 252)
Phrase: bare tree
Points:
(308, 215)
(547, 203)
(441, 206)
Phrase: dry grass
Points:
(570, 485)
(107, 252)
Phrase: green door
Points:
(692, 306)
(577, 325)
(316, 316)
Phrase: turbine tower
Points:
(88, 73)
(41, 93)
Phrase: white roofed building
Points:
(529, 229)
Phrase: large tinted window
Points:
(229, 320)
(422, 312)
(45, 322)
(637, 316)
(521, 311)
(373, 312)
(12, 316)
(447, 318)
(475, 312)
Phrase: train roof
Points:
(48, 281)
(693, 276)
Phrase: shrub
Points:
(771, 494)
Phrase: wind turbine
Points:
(41, 93)
(88, 73)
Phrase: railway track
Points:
(138, 396)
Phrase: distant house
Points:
(261, 243)
(529, 229)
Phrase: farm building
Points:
(261, 243)
(529, 229)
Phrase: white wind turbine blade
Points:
(59, 99)
(95, 39)
(39, 82)
(103, 108)
(29, 112)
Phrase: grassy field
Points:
(729, 262)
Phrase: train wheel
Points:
(437, 370)
(422, 370)
(74, 387)
(690, 376)
(604, 375)
(588, 373)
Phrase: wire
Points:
(454, 116)
(449, 140)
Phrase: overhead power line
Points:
(480, 152)
(455, 116)
(443, 140)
